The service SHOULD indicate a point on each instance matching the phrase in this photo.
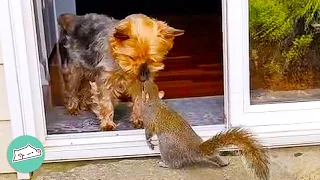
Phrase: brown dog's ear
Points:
(122, 31)
(169, 32)
(172, 32)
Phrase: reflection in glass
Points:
(284, 50)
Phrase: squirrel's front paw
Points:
(151, 146)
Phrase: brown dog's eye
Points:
(121, 35)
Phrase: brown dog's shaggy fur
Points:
(113, 54)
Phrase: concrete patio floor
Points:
(300, 163)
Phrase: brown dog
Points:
(113, 54)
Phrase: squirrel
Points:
(179, 145)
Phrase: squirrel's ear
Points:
(147, 97)
(161, 94)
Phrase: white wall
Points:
(5, 129)
(5, 139)
(4, 111)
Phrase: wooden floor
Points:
(193, 68)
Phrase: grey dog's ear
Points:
(67, 21)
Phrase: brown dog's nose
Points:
(144, 72)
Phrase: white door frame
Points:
(283, 123)
(21, 62)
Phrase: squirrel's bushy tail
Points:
(243, 139)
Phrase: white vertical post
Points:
(21, 65)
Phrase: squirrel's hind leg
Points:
(162, 164)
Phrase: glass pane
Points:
(284, 50)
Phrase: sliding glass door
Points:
(273, 64)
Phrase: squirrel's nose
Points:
(144, 72)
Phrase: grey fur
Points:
(87, 42)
